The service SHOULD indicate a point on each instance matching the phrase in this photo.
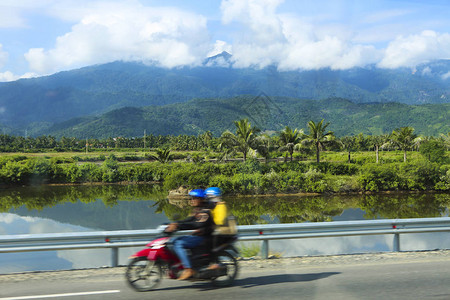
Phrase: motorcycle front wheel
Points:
(229, 266)
(143, 275)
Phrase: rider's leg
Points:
(180, 245)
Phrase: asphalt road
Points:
(390, 279)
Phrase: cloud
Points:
(10, 76)
(254, 31)
(288, 42)
(385, 15)
(415, 49)
(7, 76)
(166, 36)
(219, 47)
(446, 75)
(10, 17)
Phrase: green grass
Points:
(325, 156)
(249, 249)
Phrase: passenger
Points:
(225, 222)
(201, 221)
(218, 207)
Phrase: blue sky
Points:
(47, 36)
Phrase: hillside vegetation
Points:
(268, 113)
(38, 103)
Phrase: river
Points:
(49, 209)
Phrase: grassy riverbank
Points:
(332, 175)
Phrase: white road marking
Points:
(62, 295)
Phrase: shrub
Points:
(434, 151)
(343, 184)
(314, 181)
(224, 182)
(186, 174)
(90, 173)
(444, 182)
(14, 173)
(73, 173)
(40, 170)
(292, 181)
(421, 175)
(271, 182)
(111, 162)
(380, 178)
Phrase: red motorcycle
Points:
(214, 261)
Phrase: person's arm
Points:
(186, 223)
(199, 221)
(177, 225)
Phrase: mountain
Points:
(37, 104)
(267, 113)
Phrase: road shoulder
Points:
(105, 274)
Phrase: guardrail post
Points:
(265, 249)
(396, 242)
(114, 257)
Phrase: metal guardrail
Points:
(137, 238)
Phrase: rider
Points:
(216, 204)
(201, 221)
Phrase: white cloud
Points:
(7, 76)
(385, 15)
(287, 41)
(166, 36)
(305, 38)
(13, 13)
(426, 71)
(219, 47)
(446, 75)
(10, 17)
(415, 49)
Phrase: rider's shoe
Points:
(187, 273)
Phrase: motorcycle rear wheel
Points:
(225, 259)
(143, 275)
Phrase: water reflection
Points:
(47, 209)
(405, 206)
(116, 207)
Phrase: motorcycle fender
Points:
(152, 254)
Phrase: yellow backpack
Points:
(225, 224)
(220, 214)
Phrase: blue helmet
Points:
(213, 192)
(199, 193)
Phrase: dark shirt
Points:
(201, 221)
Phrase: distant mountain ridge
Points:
(37, 104)
(268, 113)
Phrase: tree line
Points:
(246, 140)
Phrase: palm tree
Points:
(377, 142)
(446, 139)
(404, 138)
(162, 155)
(289, 139)
(349, 143)
(318, 137)
(207, 137)
(264, 146)
(243, 140)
